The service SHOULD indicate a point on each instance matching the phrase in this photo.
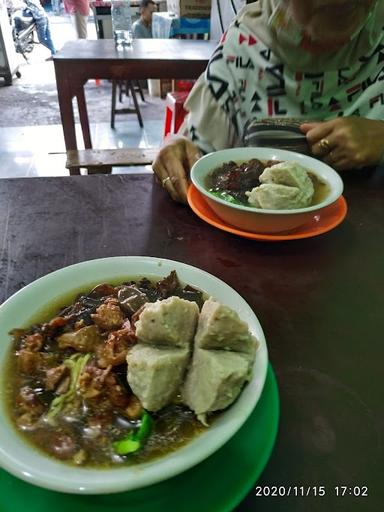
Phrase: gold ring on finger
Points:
(324, 144)
(164, 181)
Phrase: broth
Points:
(321, 189)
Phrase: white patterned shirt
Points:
(245, 80)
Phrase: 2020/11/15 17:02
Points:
(310, 490)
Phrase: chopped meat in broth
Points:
(69, 394)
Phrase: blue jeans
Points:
(44, 34)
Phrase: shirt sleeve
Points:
(214, 103)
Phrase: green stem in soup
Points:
(75, 364)
(135, 440)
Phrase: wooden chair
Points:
(126, 87)
(101, 161)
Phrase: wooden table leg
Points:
(65, 86)
(83, 114)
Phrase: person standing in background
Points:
(42, 24)
(79, 12)
(142, 28)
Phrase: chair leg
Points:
(113, 104)
(140, 90)
(140, 119)
(120, 84)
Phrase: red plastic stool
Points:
(184, 85)
(174, 111)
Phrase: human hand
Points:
(346, 142)
(173, 163)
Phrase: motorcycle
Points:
(23, 30)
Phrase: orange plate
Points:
(330, 217)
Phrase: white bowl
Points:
(22, 460)
(259, 220)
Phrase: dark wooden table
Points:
(320, 302)
(80, 60)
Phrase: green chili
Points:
(135, 440)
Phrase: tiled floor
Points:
(29, 151)
(39, 150)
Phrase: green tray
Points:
(217, 484)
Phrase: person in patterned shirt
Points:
(317, 60)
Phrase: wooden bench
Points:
(101, 161)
